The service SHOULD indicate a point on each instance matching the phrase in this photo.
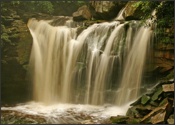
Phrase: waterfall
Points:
(121, 14)
(133, 69)
(103, 64)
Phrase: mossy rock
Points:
(145, 99)
(119, 119)
(132, 112)
(156, 94)
(133, 121)
(5, 38)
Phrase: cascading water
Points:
(133, 69)
(87, 68)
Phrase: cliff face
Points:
(16, 46)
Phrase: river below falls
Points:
(70, 113)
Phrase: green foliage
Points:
(37, 6)
(3, 29)
(146, 7)
(49, 7)
(44, 6)
(5, 38)
(164, 14)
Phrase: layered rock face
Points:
(83, 13)
(164, 57)
(106, 9)
(16, 46)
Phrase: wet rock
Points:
(83, 13)
(136, 102)
(147, 118)
(87, 122)
(133, 121)
(159, 118)
(155, 106)
(157, 93)
(145, 99)
(153, 103)
(133, 112)
(119, 119)
(15, 117)
(168, 87)
(170, 120)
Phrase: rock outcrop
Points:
(83, 13)
(154, 107)
(106, 10)
(131, 12)
(164, 57)
(16, 46)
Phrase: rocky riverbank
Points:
(153, 107)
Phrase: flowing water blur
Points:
(58, 55)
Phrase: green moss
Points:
(145, 99)
(156, 94)
(14, 36)
(119, 119)
(169, 76)
(5, 38)
(24, 48)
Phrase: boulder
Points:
(131, 12)
(83, 13)
(154, 107)
(106, 10)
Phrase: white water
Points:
(70, 113)
(120, 15)
(130, 83)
